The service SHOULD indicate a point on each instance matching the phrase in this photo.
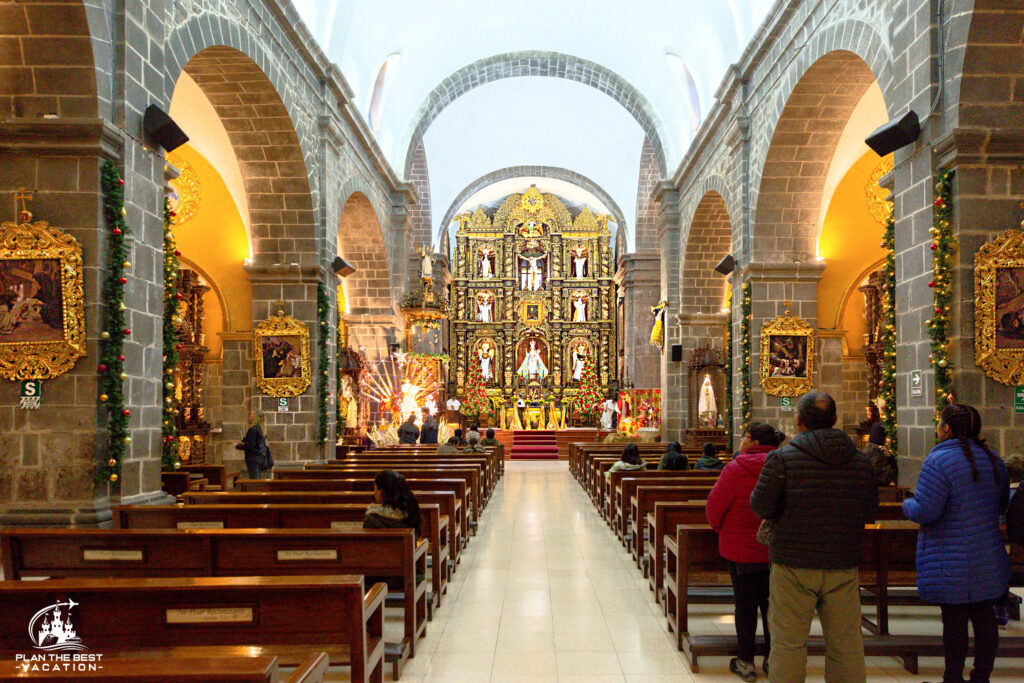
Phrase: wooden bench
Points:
(622, 487)
(218, 618)
(235, 669)
(478, 465)
(58, 553)
(177, 483)
(387, 459)
(283, 516)
(642, 504)
(218, 476)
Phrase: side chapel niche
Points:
(193, 429)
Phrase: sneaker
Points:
(744, 670)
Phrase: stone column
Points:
(772, 285)
(640, 285)
(697, 330)
(672, 417)
(829, 358)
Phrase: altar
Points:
(533, 303)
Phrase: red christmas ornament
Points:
(174, 213)
(112, 462)
(177, 253)
(126, 412)
(939, 202)
(938, 311)
(177, 347)
(931, 284)
(120, 182)
(127, 332)
(120, 357)
(179, 297)
(934, 246)
(123, 280)
(170, 439)
(117, 231)
(101, 368)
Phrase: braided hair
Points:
(964, 423)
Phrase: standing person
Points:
(428, 434)
(254, 443)
(819, 492)
(673, 458)
(729, 513)
(878, 454)
(408, 432)
(629, 461)
(473, 431)
(489, 440)
(394, 506)
(709, 460)
(962, 563)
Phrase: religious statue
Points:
(484, 306)
(579, 357)
(426, 263)
(533, 365)
(707, 408)
(579, 309)
(579, 262)
(486, 269)
(351, 404)
(408, 405)
(430, 405)
(486, 356)
(531, 278)
(658, 331)
(608, 410)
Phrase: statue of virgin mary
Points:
(533, 365)
(707, 409)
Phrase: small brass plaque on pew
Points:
(109, 555)
(201, 525)
(210, 615)
(346, 526)
(315, 554)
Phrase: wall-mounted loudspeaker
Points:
(342, 268)
(895, 134)
(677, 353)
(161, 129)
(726, 265)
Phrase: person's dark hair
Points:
(397, 494)
(453, 440)
(816, 410)
(964, 423)
(674, 458)
(475, 428)
(490, 433)
(764, 434)
(458, 434)
(631, 454)
(710, 450)
(474, 440)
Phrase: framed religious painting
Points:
(42, 310)
(999, 307)
(787, 356)
(281, 350)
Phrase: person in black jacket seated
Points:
(254, 443)
(394, 506)
(819, 491)
(673, 458)
(408, 432)
(428, 433)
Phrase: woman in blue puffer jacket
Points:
(962, 563)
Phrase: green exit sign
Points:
(1018, 400)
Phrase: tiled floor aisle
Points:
(546, 593)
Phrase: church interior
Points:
(259, 256)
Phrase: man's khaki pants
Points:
(796, 594)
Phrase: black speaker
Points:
(677, 353)
(342, 268)
(726, 265)
(895, 134)
(162, 129)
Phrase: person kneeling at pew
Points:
(729, 514)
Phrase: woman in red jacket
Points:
(729, 514)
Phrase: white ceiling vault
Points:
(673, 52)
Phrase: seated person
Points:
(395, 505)
(461, 441)
(450, 447)
(489, 440)
(474, 445)
(673, 459)
(709, 461)
(473, 431)
(629, 461)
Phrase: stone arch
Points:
(245, 92)
(51, 68)
(361, 243)
(553, 172)
(541, 63)
(812, 117)
(708, 239)
(992, 79)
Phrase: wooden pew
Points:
(217, 475)
(385, 459)
(217, 618)
(643, 503)
(345, 491)
(58, 553)
(398, 465)
(622, 487)
(283, 516)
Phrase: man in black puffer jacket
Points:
(820, 492)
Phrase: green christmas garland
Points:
(745, 346)
(111, 365)
(943, 248)
(168, 430)
(888, 389)
(728, 371)
(323, 310)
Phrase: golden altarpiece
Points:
(532, 299)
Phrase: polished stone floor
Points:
(545, 592)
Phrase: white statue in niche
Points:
(486, 267)
(579, 309)
(707, 408)
(486, 356)
(579, 357)
(484, 306)
(579, 262)
(426, 263)
(533, 365)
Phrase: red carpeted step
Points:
(534, 445)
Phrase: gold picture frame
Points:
(281, 350)
(787, 356)
(42, 301)
(999, 308)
